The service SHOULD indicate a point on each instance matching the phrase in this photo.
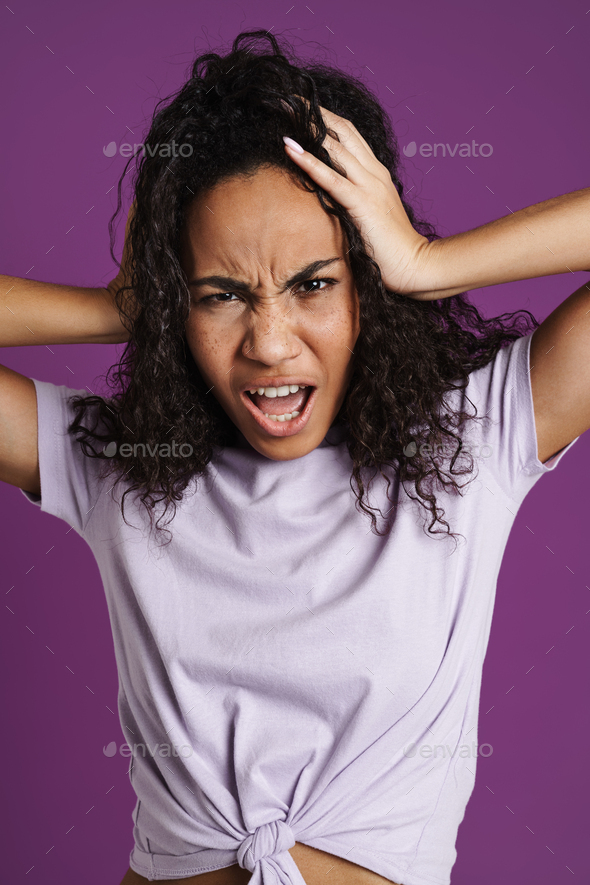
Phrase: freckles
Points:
(201, 336)
(341, 321)
(202, 345)
(217, 349)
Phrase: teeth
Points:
(278, 391)
(286, 417)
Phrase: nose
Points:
(270, 338)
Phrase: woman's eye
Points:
(230, 297)
(220, 297)
(316, 284)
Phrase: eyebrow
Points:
(237, 285)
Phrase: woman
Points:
(300, 490)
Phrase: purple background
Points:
(79, 76)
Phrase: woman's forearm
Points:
(33, 312)
(547, 238)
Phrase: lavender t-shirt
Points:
(302, 670)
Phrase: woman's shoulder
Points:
(70, 480)
(509, 366)
(503, 433)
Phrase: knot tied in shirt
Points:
(266, 841)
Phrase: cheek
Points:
(335, 349)
(207, 347)
(346, 328)
(343, 323)
(211, 328)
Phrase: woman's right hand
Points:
(371, 198)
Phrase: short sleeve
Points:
(506, 441)
(68, 476)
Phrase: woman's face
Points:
(273, 309)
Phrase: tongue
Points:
(281, 405)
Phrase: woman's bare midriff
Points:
(313, 864)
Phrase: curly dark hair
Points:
(233, 112)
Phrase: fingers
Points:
(346, 131)
(342, 189)
(353, 141)
(357, 175)
(356, 170)
(351, 151)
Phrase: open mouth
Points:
(282, 406)
(281, 411)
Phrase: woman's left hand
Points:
(371, 198)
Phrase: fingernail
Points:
(292, 144)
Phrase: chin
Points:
(286, 448)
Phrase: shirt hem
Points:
(160, 866)
(181, 866)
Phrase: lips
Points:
(276, 428)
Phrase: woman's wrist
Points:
(113, 328)
(34, 312)
(547, 238)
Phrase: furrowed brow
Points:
(230, 283)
